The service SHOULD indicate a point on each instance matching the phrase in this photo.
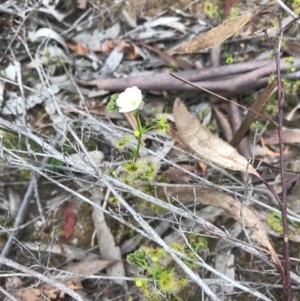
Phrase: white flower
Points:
(129, 100)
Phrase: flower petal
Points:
(129, 100)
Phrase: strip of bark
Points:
(162, 81)
(243, 81)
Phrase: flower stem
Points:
(140, 130)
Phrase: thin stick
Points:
(287, 9)
(283, 205)
(25, 203)
(32, 273)
(223, 98)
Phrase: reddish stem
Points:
(283, 204)
(227, 7)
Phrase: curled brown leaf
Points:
(214, 36)
(206, 145)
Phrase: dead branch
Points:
(245, 77)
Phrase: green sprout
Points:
(228, 58)
(172, 66)
(47, 54)
(157, 209)
(296, 6)
(136, 173)
(132, 168)
(25, 174)
(274, 221)
(112, 105)
(114, 201)
(233, 12)
(139, 170)
(160, 275)
(123, 143)
(162, 123)
(211, 10)
(168, 283)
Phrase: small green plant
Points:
(161, 270)
(25, 174)
(272, 78)
(233, 12)
(171, 67)
(274, 220)
(215, 10)
(228, 58)
(114, 201)
(295, 6)
(47, 54)
(136, 173)
(139, 170)
(291, 86)
(211, 10)
(56, 163)
(161, 276)
(157, 209)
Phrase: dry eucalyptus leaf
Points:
(293, 114)
(31, 294)
(109, 250)
(213, 37)
(205, 144)
(161, 21)
(241, 213)
(292, 47)
(290, 136)
(47, 33)
(256, 106)
(88, 266)
(111, 64)
(93, 39)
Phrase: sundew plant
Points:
(139, 170)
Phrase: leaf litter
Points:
(206, 145)
(214, 36)
(67, 48)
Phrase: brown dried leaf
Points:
(241, 213)
(294, 114)
(205, 144)
(106, 47)
(256, 106)
(175, 61)
(131, 51)
(268, 151)
(292, 47)
(88, 266)
(213, 37)
(40, 294)
(69, 221)
(178, 174)
(31, 294)
(78, 48)
(290, 136)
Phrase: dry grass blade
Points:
(213, 37)
(256, 106)
(205, 144)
